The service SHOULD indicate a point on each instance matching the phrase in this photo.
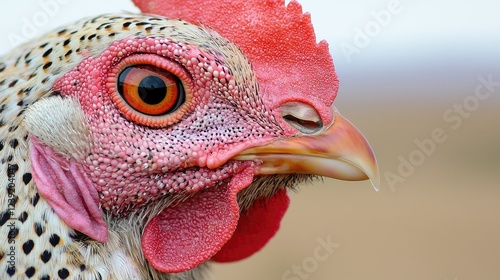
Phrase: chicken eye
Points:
(151, 90)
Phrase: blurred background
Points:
(421, 80)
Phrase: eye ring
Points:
(150, 90)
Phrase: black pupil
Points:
(152, 90)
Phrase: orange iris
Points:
(150, 90)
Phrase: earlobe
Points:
(68, 190)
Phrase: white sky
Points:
(418, 21)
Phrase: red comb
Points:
(279, 40)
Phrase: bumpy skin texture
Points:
(134, 161)
(78, 62)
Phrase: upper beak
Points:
(339, 152)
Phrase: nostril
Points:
(304, 126)
(302, 117)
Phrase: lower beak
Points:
(339, 152)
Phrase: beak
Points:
(339, 152)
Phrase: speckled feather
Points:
(44, 246)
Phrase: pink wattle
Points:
(189, 233)
(255, 229)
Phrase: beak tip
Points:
(376, 185)
(375, 176)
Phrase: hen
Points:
(142, 147)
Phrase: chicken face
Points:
(164, 119)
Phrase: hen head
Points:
(167, 124)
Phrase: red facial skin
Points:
(134, 158)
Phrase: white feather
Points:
(60, 124)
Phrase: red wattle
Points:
(255, 229)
